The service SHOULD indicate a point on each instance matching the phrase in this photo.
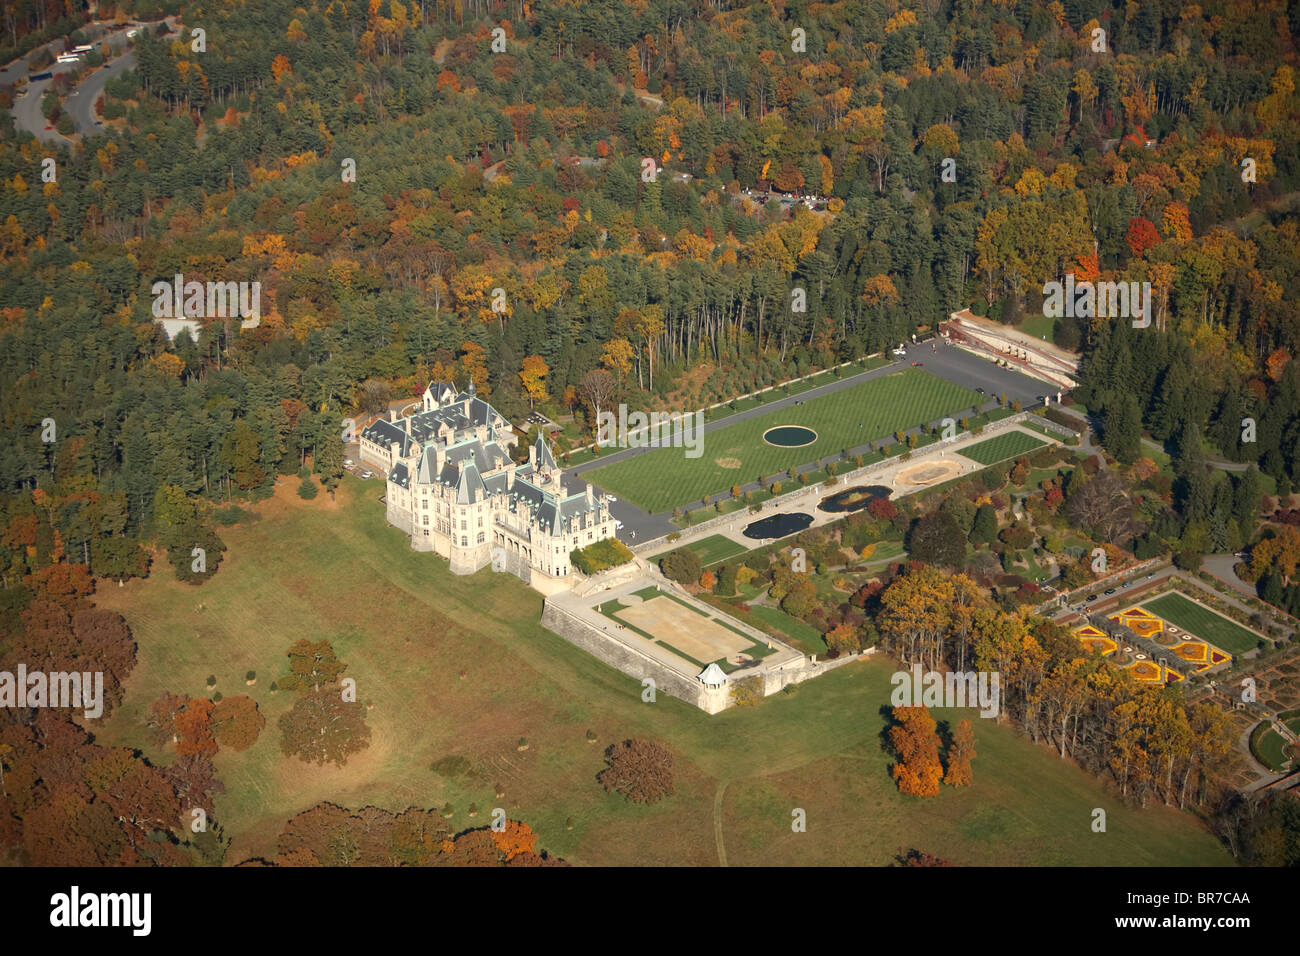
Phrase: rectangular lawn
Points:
(716, 548)
(664, 478)
(1004, 446)
(1204, 623)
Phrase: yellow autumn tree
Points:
(533, 377)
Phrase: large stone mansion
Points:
(454, 488)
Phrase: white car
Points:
(367, 474)
(347, 462)
(618, 525)
(611, 498)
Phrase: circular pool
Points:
(777, 526)
(789, 436)
(854, 499)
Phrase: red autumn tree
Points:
(1142, 235)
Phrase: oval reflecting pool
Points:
(777, 526)
(789, 436)
(854, 499)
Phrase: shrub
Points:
(307, 489)
(747, 692)
(726, 580)
(600, 556)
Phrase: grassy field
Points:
(662, 479)
(460, 666)
(1204, 623)
(1004, 446)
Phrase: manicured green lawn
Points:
(460, 666)
(804, 636)
(716, 548)
(1268, 745)
(665, 478)
(1039, 326)
(1004, 446)
(1204, 623)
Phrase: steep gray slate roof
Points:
(383, 433)
(544, 457)
(399, 476)
(470, 487)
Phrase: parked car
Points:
(618, 525)
(1092, 597)
(979, 391)
(347, 462)
(1110, 590)
(367, 474)
(611, 498)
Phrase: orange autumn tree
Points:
(916, 739)
(515, 839)
(193, 727)
(236, 722)
(959, 756)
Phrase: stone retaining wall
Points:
(630, 661)
(712, 700)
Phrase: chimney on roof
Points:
(392, 414)
(532, 456)
(591, 498)
(510, 475)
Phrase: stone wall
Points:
(804, 669)
(632, 662)
(627, 659)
